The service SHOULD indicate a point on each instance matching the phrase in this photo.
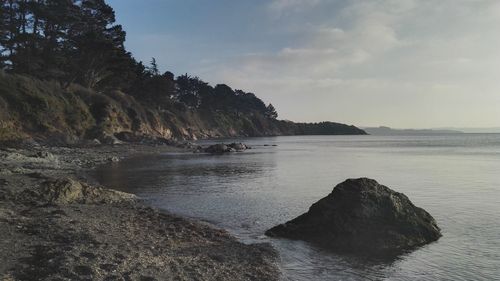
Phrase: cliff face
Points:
(31, 108)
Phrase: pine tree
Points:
(153, 68)
(3, 33)
(271, 112)
(8, 22)
(97, 46)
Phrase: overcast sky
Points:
(400, 63)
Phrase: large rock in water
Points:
(362, 216)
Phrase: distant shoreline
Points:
(384, 130)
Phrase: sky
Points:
(398, 63)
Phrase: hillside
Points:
(67, 79)
(45, 110)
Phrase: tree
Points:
(97, 45)
(160, 88)
(38, 36)
(78, 41)
(153, 67)
(3, 32)
(191, 90)
(67, 40)
(271, 112)
(8, 27)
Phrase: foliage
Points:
(77, 41)
(327, 128)
(68, 40)
(69, 72)
(271, 112)
(43, 107)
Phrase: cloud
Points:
(278, 7)
(402, 56)
(327, 48)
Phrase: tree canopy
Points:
(78, 41)
(68, 40)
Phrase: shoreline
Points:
(66, 236)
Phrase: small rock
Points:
(45, 155)
(127, 137)
(114, 159)
(238, 146)
(18, 170)
(5, 171)
(110, 139)
(198, 149)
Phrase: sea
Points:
(456, 178)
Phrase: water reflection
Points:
(454, 178)
(184, 171)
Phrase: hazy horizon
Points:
(402, 64)
(471, 130)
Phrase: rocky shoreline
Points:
(56, 226)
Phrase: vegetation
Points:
(326, 128)
(68, 72)
(77, 41)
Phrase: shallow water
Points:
(456, 178)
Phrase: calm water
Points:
(455, 178)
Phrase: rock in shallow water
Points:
(222, 148)
(362, 216)
(217, 148)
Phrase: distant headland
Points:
(387, 131)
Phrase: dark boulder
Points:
(128, 137)
(217, 148)
(108, 138)
(362, 216)
(238, 146)
(222, 148)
